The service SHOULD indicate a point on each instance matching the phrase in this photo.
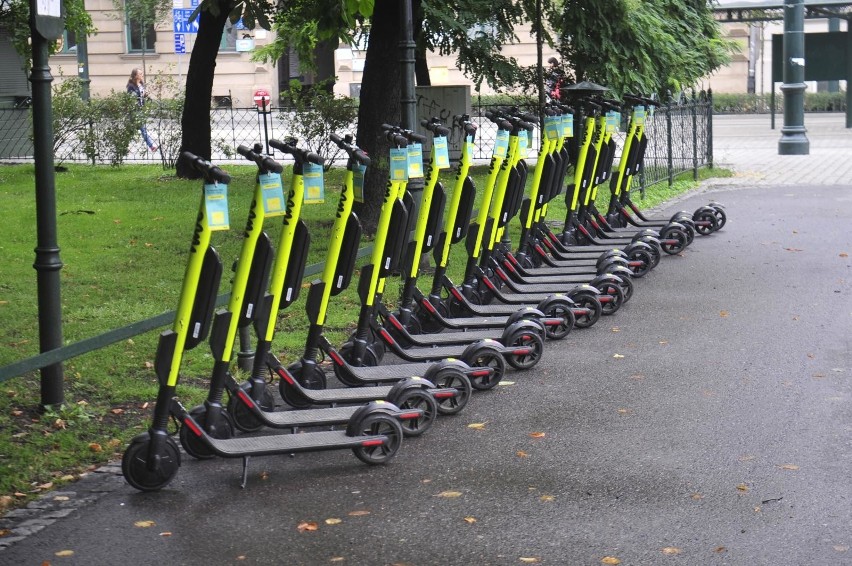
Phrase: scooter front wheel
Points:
(379, 424)
(592, 307)
(193, 444)
(243, 417)
(134, 465)
(563, 311)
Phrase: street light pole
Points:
(46, 24)
(793, 139)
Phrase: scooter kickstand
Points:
(245, 471)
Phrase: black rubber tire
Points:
(316, 380)
(590, 302)
(487, 357)
(192, 445)
(134, 465)
(418, 399)
(529, 339)
(375, 424)
(451, 377)
(243, 418)
(613, 290)
(564, 312)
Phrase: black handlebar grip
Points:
(210, 171)
(388, 127)
(314, 157)
(361, 157)
(337, 140)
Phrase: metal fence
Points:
(680, 134)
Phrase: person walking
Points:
(136, 87)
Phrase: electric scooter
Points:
(249, 303)
(152, 459)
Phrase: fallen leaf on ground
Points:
(617, 356)
(742, 487)
(547, 498)
(537, 435)
(166, 534)
(811, 356)
(449, 494)
(144, 405)
(333, 521)
(637, 376)
(746, 458)
(17, 413)
(116, 411)
(68, 477)
(616, 329)
(521, 454)
(793, 249)
(789, 467)
(470, 520)
(757, 509)
(663, 342)
(844, 254)
(610, 560)
(724, 314)
(307, 526)
(720, 549)
(530, 559)
(65, 553)
(4, 532)
(358, 513)
(839, 548)
(671, 550)
(504, 382)
(144, 524)
(264, 475)
(337, 559)
(95, 447)
(623, 411)
(697, 496)
(241, 557)
(476, 426)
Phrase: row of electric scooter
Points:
(447, 342)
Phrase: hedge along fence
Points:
(761, 103)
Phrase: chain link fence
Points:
(680, 135)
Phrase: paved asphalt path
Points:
(708, 422)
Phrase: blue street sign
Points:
(182, 23)
(180, 43)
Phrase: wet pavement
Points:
(708, 422)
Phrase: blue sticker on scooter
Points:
(501, 146)
(442, 153)
(314, 186)
(415, 161)
(523, 143)
(553, 127)
(639, 115)
(398, 164)
(274, 203)
(216, 206)
(611, 118)
(567, 125)
(358, 172)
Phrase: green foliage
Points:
(71, 116)
(649, 46)
(115, 122)
(15, 15)
(727, 103)
(314, 115)
(162, 114)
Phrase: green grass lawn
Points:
(124, 234)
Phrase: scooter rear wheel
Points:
(451, 377)
(134, 465)
(562, 330)
(491, 358)
(589, 302)
(530, 340)
(312, 379)
(379, 424)
(418, 399)
(616, 298)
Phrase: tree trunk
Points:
(421, 65)
(195, 120)
(381, 86)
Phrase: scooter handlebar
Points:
(635, 98)
(263, 162)
(354, 152)
(301, 155)
(210, 171)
